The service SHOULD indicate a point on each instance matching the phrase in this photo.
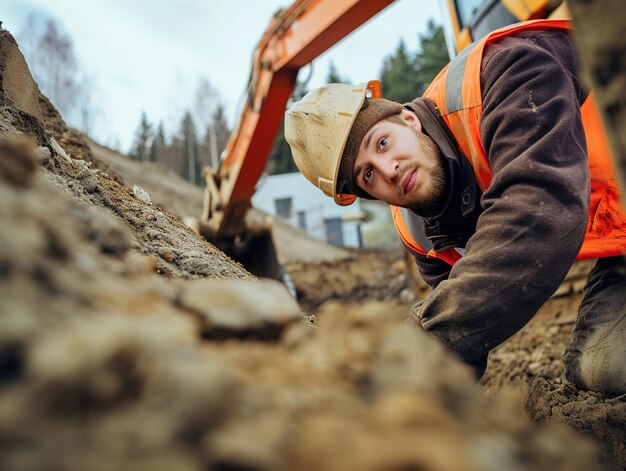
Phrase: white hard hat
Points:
(317, 128)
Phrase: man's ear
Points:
(411, 119)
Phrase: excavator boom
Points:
(294, 38)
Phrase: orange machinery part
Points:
(294, 38)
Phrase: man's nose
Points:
(389, 169)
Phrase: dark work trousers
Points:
(596, 357)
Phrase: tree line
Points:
(203, 132)
(405, 75)
(187, 150)
(200, 137)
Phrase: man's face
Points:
(400, 165)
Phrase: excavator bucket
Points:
(255, 248)
(253, 245)
(256, 251)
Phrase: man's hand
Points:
(415, 318)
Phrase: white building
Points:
(291, 197)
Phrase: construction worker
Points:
(498, 179)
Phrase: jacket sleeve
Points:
(535, 210)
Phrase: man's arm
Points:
(535, 210)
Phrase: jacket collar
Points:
(464, 191)
(453, 226)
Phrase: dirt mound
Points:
(167, 189)
(71, 141)
(107, 364)
(589, 413)
(367, 275)
(174, 194)
(100, 358)
(531, 361)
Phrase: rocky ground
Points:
(129, 342)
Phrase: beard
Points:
(434, 201)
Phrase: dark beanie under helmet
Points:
(373, 111)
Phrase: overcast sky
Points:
(151, 54)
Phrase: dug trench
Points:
(129, 342)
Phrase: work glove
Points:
(415, 318)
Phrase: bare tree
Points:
(50, 55)
(53, 63)
(217, 134)
(27, 38)
(86, 104)
(206, 100)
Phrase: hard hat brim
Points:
(371, 89)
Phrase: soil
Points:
(129, 342)
(171, 193)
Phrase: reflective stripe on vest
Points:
(456, 92)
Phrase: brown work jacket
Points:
(513, 110)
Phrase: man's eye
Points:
(367, 176)
(382, 143)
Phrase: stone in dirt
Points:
(238, 308)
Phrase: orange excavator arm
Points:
(294, 38)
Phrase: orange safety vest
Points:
(456, 92)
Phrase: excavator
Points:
(294, 38)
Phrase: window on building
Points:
(334, 231)
(283, 207)
(302, 220)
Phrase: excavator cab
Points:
(466, 21)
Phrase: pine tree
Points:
(157, 147)
(174, 158)
(143, 135)
(222, 131)
(432, 57)
(406, 76)
(333, 75)
(280, 160)
(398, 76)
